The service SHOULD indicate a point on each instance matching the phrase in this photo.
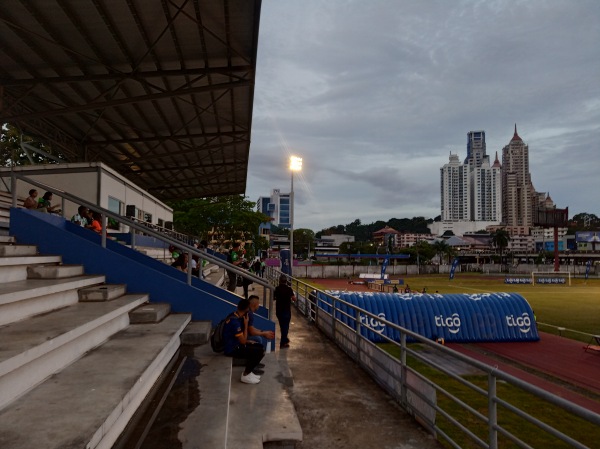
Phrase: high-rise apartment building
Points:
(485, 184)
(475, 148)
(277, 206)
(516, 184)
(454, 186)
(472, 191)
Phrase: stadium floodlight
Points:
(295, 165)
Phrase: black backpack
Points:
(217, 342)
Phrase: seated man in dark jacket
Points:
(235, 337)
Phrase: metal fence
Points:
(486, 408)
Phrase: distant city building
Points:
(475, 148)
(479, 196)
(338, 239)
(460, 227)
(471, 193)
(517, 190)
(385, 236)
(486, 191)
(408, 239)
(277, 206)
(454, 183)
(520, 243)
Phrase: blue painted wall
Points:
(121, 265)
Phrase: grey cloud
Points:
(368, 90)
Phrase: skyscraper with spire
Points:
(516, 183)
(472, 191)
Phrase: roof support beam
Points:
(175, 137)
(123, 101)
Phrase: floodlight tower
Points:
(295, 165)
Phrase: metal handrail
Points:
(134, 226)
(495, 375)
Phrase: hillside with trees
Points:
(364, 232)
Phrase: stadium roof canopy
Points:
(160, 90)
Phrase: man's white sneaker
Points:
(250, 379)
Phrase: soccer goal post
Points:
(551, 277)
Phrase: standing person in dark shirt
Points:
(284, 296)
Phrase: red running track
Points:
(556, 356)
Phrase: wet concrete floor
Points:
(338, 404)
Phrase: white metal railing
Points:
(415, 391)
(139, 228)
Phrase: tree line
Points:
(364, 232)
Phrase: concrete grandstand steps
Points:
(36, 348)
(89, 402)
(234, 415)
(25, 298)
(54, 271)
(102, 292)
(196, 333)
(17, 250)
(7, 239)
(150, 313)
(269, 400)
(15, 268)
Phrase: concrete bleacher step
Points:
(22, 299)
(270, 400)
(15, 268)
(7, 239)
(54, 271)
(17, 250)
(149, 313)
(89, 403)
(105, 292)
(207, 424)
(196, 333)
(35, 348)
(234, 415)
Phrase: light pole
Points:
(295, 165)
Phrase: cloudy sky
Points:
(375, 94)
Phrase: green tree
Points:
(500, 240)
(303, 240)
(421, 252)
(11, 152)
(229, 217)
(442, 249)
(585, 222)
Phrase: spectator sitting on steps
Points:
(31, 201)
(255, 333)
(235, 338)
(95, 222)
(81, 217)
(181, 262)
(45, 204)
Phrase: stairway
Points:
(77, 370)
(73, 370)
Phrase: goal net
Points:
(551, 278)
